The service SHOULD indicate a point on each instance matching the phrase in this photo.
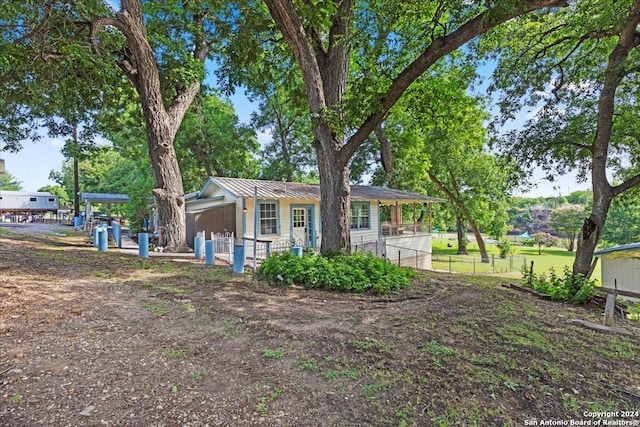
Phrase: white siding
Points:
(12, 200)
(284, 219)
(622, 270)
(411, 250)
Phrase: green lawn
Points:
(445, 258)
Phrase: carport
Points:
(89, 198)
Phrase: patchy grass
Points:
(208, 346)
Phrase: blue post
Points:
(95, 236)
(143, 245)
(103, 239)
(238, 258)
(209, 252)
(116, 230)
(268, 249)
(198, 243)
(297, 250)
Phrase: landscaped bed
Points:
(91, 338)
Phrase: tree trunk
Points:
(161, 122)
(591, 230)
(335, 195)
(169, 193)
(462, 237)
(481, 246)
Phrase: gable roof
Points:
(241, 187)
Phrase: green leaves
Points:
(354, 273)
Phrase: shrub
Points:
(575, 290)
(505, 247)
(340, 272)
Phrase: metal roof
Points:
(104, 198)
(26, 193)
(294, 190)
(618, 248)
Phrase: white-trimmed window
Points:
(360, 215)
(268, 217)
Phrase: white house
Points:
(285, 212)
(621, 268)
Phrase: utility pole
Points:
(76, 185)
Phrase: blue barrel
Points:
(198, 246)
(297, 250)
(238, 258)
(77, 222)
(143, 245)
(209, 252)
(103, 239)
(116, 230)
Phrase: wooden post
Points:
(531, 274)
(593, 267)
(609, 308)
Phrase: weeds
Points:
(277, 353)
(159, 309)
(175, 353)
(261, 405)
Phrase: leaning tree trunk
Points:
(462, 237)
(590, 233)
(481, 246)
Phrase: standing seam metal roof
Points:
(294, 190)
(104, 198)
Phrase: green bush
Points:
(340, 272)
(505, 247)
(575, 290)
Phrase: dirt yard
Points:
(93, 339)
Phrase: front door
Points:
(302, 225)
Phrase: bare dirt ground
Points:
(90, 339)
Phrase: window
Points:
(359, 215)
(298, 218)
(51, 199)
(268, 218)
(33, 199)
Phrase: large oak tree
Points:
(348, 103)
(580, 70)
(160, 47)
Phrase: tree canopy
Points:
(578, 69)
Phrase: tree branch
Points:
(48, 8)
(628, 184)
(439, 48)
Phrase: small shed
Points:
(621, 268)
